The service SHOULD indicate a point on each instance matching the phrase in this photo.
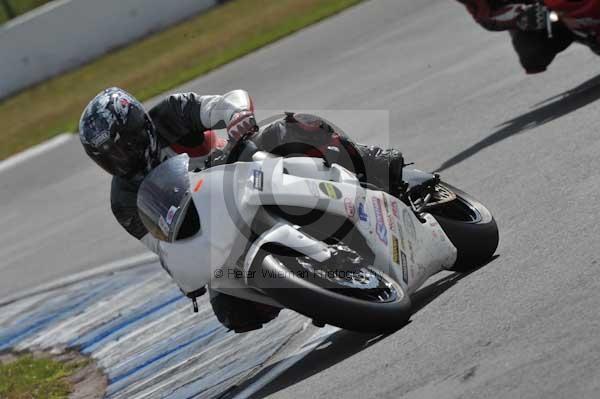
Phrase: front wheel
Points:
(360, 298)
(470, 227)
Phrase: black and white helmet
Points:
(118, 134)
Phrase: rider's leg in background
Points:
(537, 50)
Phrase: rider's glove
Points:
(534, 18)
(242, 124)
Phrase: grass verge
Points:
(19, 7)
(158, 63)
(33, 377)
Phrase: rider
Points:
(128, 142)
(526, 20)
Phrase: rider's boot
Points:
(382, 168)
(239, 314)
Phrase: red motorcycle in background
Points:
(582, 18)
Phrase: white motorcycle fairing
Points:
(228, 198)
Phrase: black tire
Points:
(328, 307)
(470, 227)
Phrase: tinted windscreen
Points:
(163, 197)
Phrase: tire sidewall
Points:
(475, 241)
(330, 307)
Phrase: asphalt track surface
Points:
(526, 325)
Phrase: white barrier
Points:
(67, 33)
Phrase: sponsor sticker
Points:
(350, 207)
(404, 268)
(388, 214)
(442, 235)
(330, 190)
(100, 139)
(409, 224)
(401, 235)
(171, 214)
(395, 250)
(258, 179)
(395, 209)
(199, 185)
(391, 224)
(380, 228)
(362, 213)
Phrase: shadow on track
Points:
(345, 344)
(546, 111)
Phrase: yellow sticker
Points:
(395, 250)
(330, 190)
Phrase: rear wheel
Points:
(470, 227)
(344, 292)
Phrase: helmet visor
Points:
(124, 157)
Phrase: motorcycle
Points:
(307, 234)
(582, 18)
